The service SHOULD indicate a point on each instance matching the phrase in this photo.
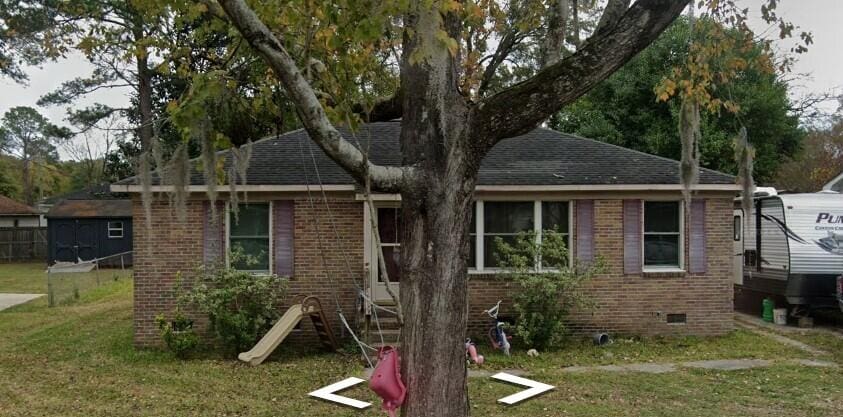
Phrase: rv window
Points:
(737, 226)
(248, 237)
(662, 234)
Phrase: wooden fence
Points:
(23, 244)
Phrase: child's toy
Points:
(386, 380)
(471, 351)
(497, 335)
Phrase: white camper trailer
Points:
(790, 246)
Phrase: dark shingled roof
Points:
(10, 207)
(91, 208)
(540, 157)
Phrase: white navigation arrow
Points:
(327, 393)
(535, 388)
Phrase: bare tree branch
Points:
(525, 105)
(613, 12)
(505, 47)
(554, 39)
(308, 107)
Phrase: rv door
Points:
(737, 245)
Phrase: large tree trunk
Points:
(437, 210)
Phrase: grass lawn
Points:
(78, 360)
(23, 278)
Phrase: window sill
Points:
(664, 273)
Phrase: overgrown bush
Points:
(178, 334)
(241, 306)
(549, 286)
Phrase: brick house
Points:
(669, 266)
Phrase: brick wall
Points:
(170, 246)
(177, 246)
(639, 304)
(628, 304)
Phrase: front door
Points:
(388, 220)
(737, 247)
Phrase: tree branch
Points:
(525, 105)
(554, 38)
(308, 107)
(613, 12)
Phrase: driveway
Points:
(10, 300)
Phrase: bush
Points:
(545, 297)
(241, 306)
(178, 334)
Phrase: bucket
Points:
(767, 307)
(601, 339)
(780, 316)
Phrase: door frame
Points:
(376, 289)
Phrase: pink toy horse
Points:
(386, 380)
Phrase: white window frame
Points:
(664, 268)
(271, 253)
(111, 229)
(479, 242)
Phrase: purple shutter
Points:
(632, 236)
(585, 230)
(696, 239)
(213, 235)
(282, 223)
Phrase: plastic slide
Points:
(274, 337)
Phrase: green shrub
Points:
(544, 298)
(241, 306)
(178, 334)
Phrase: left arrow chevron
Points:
(327, 393)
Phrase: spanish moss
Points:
(744, 154)
(689, 134)
(178, 169)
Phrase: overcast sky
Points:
(817, 71)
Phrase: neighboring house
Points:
(835, 185)
(90, 224)
(669, 266)
(18, 215)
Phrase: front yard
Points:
(78, 360)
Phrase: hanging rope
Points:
(321, 247)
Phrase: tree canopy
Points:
(29, 137)
(624, 110)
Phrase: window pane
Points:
(661, 216)
(472, 254)
(490, 252)
(256, 248)
(253, 220)
(389, 224)
(507, 217)
(555, 216)
(392, 258)
(661, 250)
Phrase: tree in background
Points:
(623, 110)
(29, 137)
(819, 161)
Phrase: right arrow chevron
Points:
(534, 388)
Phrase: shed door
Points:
(65, 240)
(86, 239)
(76, 239)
